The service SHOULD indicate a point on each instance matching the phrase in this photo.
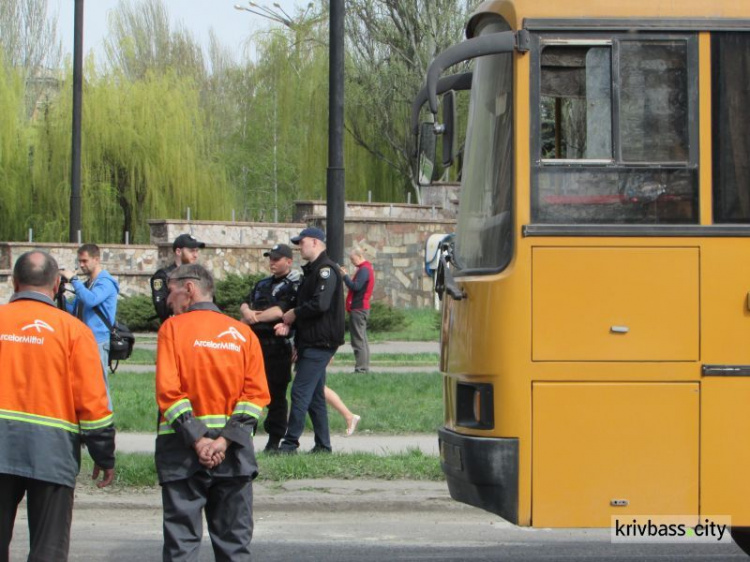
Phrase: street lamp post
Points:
(335, 172)
(75, 167)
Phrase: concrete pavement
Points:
(378, 444)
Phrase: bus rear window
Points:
(614, 132)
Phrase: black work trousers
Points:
(277, 357)
(50, 512)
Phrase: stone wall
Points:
(306, 210)
(394, 245)
(224, 233)
(132, 265)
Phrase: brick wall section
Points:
(394, 245)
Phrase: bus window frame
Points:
(612, 38)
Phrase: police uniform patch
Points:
(325, 273)
(158, 284)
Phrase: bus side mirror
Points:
(449, 124)
(426, 153)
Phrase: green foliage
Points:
(384, 318)
(15, 178)
(231, 291)
(137, 312)
(391, 46)
(163, 130)
(148, 152)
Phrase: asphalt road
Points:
(362, 521)
(453, 535)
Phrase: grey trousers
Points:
(358, 332)
(228, 503)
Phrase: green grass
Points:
(140, 356)
(138, 470)
(422, 324)
(148, 357)
(134, 401)
(411, 465)
(391, 359)
(388, 403)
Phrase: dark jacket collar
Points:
(32, 296)
(313, 264)
(204, 306)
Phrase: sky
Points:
(233, 27)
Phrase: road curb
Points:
(299, 495)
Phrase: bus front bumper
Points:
(481, 471)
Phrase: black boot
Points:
(273, 444)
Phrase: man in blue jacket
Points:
(100, 291)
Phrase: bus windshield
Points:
(484, 231)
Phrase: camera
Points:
(62, 277)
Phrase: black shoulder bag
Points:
(121, 340)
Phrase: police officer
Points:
(319, 322)
(263, 308)
(185, 248)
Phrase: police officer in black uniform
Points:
(319, 322)
(185, 248)
(264, 307)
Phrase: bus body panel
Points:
(687, 377)
(615, 304)
(604, 450)
(725, 455)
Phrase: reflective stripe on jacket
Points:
(210, 381)
(52, 393)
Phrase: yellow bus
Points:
(596, 297)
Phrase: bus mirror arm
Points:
(444, 281)
(494, 43)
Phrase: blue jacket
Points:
(102, 293)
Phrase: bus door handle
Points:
(619, 329)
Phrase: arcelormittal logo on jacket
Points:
(223, 345)
(37, 325)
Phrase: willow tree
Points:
(147, 153)
(31, 45)
(141, 40)
(391, 44)
(15, 179)
(283, 139)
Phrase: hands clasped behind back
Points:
(211, 452)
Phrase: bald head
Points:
(36, 271)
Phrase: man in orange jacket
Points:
(52, 399)
(211, 390)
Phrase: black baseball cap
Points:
(279, 251)
(310, 232)
(187, 241)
